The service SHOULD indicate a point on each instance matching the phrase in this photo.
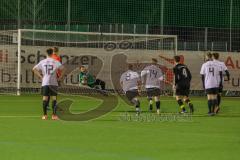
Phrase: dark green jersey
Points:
(87, 79)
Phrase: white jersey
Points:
(151, 76)
(222, 65)
(211, 71)
(129, 80)
(49, 68)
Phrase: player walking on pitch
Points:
(225, 72)
(182, 84)
(49, 67)
(151, 77)
(131, 83)
(211, 74)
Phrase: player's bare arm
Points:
(63, 71)
(37, 73)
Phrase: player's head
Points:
(49, 52)
(154, 61)
(83, 68)
(209, 56)
(177, 59)
(215, 55)
(55, 50)
(130, 66)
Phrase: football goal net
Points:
(105, 55)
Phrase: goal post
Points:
(19, 62)
(8, 62)
(95, 50)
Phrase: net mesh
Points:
(105, 55)
(8, 62)
(187, 19)
(200, 25)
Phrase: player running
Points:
(48, 67)
(212, 80)
(151, 77)
(182, 84)
(131, 83)
(225, 72)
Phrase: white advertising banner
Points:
(100, 62)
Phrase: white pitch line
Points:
(19, 116)
(120, 115)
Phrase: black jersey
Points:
(182, 75)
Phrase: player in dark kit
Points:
(182, 84)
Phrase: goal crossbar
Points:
(20, 31)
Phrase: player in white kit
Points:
(131, 83)
(151, 77)
(225, 73)
(46, 70)
(212, 80)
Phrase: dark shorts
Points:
(131, 94)
(212, 90)
(49, 90)
(182, 90)
(153, 92)
(220, 90)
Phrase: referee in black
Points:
(182, 85)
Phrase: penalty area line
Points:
(15, 116)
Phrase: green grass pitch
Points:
(24, 136)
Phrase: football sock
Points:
(158, 104)
(190, 105)
(137, 108)
(136, 102)
(44, 107)
(54, 106)
(218, 99)
(150, 103)
(137, 105)
(48, 101)
(209, 106)
(181, 105)
(180, 102)
(215, 103)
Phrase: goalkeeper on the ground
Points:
(87, 79)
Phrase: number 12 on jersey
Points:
(48, 69)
